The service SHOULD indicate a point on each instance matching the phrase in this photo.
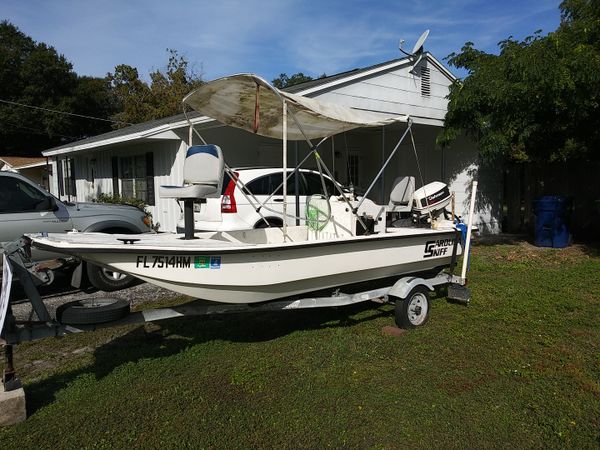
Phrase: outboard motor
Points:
(430, 201)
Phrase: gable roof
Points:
(309, 88)
(132, 132)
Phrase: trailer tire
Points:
(413, 311)
(92, 311)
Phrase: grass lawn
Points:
(519, 367)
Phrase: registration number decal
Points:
(177, 262)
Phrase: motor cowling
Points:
(430, 200)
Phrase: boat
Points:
(346, 239)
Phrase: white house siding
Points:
(168, 170)
(396, 92)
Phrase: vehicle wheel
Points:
(272, 223)
(108, 280)
(413, 311)
(92, 311)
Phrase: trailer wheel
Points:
(92, 311)
(413, 311)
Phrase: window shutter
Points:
(115, 174)
(72, 184)
(150, 178)
(59, 175)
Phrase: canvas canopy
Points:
(249, 102)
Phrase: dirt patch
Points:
(520, 251)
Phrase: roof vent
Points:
(425, 82)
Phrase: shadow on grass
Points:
(172, 336)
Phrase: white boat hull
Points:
(253, 273)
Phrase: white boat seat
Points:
(202, 178)
(190, 191)
(202, 174)
(402, 194)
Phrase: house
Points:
(136, 160)
(36, 169)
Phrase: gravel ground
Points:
(62, 292)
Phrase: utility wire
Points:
(37, 130)
(62, 112)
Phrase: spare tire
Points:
(92, 311)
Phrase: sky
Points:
(268, 37)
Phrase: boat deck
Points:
(231, 240)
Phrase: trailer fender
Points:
(405, 285)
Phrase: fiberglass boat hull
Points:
(256, 273)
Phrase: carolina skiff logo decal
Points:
(163, 261)
(437, 248)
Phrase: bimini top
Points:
(249, 102)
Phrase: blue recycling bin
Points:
(551, 222)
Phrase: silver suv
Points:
(27, 208)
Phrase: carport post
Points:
(297, 184)
(382, 194)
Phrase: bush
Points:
(119, 200)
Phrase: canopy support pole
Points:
(284, 137)
(384, 165)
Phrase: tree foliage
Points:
(539, 98)
(283, 80)
(34, 74)
(139, 101)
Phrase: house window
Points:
(136, 174)
(133, 177)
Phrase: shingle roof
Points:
(324, 80)
(136, 128)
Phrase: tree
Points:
(139, 101)
(131, 95)
(35, 82)
(283, 81)
(538, 99)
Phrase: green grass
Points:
(520, 367)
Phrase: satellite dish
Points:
(418, 48)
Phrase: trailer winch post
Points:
(463, 274)
(458, 292)
(9, 376)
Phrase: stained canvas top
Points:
(249, 102)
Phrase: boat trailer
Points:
(409, 294)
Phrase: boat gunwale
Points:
(256, 248)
